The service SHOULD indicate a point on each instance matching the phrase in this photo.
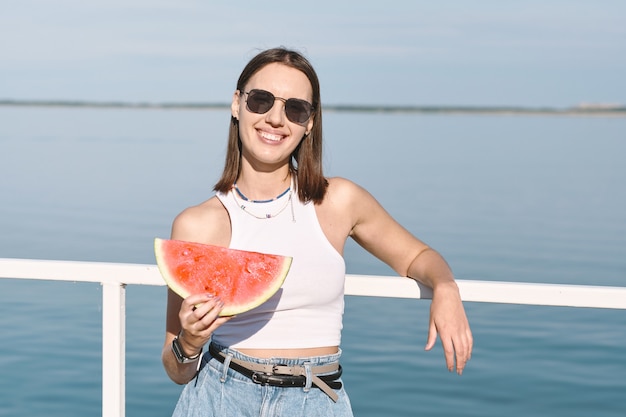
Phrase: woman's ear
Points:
(309, 125)
(234, 107)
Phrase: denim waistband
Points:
(311, 360)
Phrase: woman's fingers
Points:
(198, 313)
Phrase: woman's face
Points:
(269, 139)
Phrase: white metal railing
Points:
(115, 276)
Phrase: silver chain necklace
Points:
(244, 200)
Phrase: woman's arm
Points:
(381, 235)
(195, 318)
(447, 315)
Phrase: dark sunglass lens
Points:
(260, 101)
(298, 111)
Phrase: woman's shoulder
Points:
(207, 222)
(208, 208)
(345, 189)
(340, 184)
(345, 197)
(349, 197)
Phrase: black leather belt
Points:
(277, 377)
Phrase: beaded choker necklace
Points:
(243, 197)
(244, 206)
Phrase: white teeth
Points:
(269, 136)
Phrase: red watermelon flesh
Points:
(243, 280)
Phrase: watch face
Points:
(178, 351)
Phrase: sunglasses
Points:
(261, 101)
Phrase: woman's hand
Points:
(194, 320)
(448, 319)
(199, 317)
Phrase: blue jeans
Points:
(222, 392)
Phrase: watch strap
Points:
(180, 354)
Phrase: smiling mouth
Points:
(271, 137)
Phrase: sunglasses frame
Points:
(287, 107)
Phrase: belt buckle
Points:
(281, 369)
(257, 378)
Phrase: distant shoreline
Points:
(599, 110)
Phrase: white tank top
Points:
(307, 311)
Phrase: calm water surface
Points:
(537, 199)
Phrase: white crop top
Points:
(308, 310)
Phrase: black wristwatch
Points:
(179, 353)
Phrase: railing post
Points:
(113, 349)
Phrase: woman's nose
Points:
(276, 115)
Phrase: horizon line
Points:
(583, 109)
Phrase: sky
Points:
(555, 53)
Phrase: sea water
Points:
(509, 198)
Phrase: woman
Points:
(282, 357)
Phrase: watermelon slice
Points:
(243, 280)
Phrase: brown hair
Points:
(306, 160)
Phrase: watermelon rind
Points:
(233, 275)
